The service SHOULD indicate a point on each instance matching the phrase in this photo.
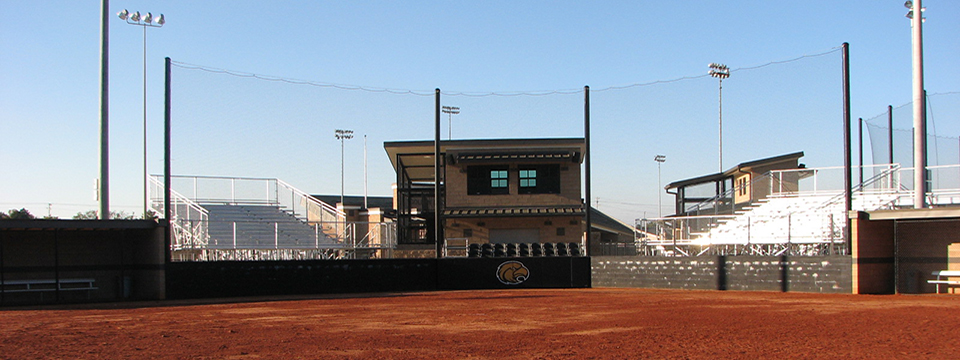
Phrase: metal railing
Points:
(331, 237)
(807, 220)
(188, 221)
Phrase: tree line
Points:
(23, 213)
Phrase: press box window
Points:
(528, 178)
(540, 179)
(498, 179)
(488, 180)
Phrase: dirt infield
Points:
(513, 324)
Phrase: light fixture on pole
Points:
(450, 111)
(660, 159)
(721, 72)
(919, 101)
(144, 21)
(342, 135)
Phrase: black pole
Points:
(848, 198)
(890, 130)
(436, 177)
(166, 157)
(586, 163)
(860, 133)
(105, 110)
(56, 263)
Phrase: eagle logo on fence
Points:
(512, 273)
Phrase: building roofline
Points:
(734, 170)
(487, 142)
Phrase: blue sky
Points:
(49, 97)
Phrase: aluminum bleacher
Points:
(262, 227)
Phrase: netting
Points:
(238, 124)
(943, 117)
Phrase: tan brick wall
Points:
(456, 189)
(573, 227)
(872, 250)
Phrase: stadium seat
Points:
(574, 249)
(473, 250)
(549, 249)
(486, 250)
(536, 249)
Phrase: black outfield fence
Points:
(264, 278)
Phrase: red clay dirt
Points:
(512, 324)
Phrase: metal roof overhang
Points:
(417, 157)
(519, 211)
(745, 165)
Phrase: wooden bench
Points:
(941, 275)
(48, 285)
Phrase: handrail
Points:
(894, 168)
(311, 199)
(887, 170)
(179, 197)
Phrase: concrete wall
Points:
(825, 274)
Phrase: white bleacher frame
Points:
(223, 220)
(807, 222)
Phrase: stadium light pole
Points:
(720, 72)
(342, 135)
(450, 111)
(660, 159)
(919, 117)
(144, 21)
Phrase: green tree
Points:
(13, 214)
(89, 215)
(93, 215)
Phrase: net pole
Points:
(586, 136)
(848, 196)
(890, 130)
(436, 178)
(105, 111)
(860, 135)
(166, 154)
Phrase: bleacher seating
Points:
(802, 219)
(262, 227)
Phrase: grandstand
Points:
(226, 218)
(807, 219)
